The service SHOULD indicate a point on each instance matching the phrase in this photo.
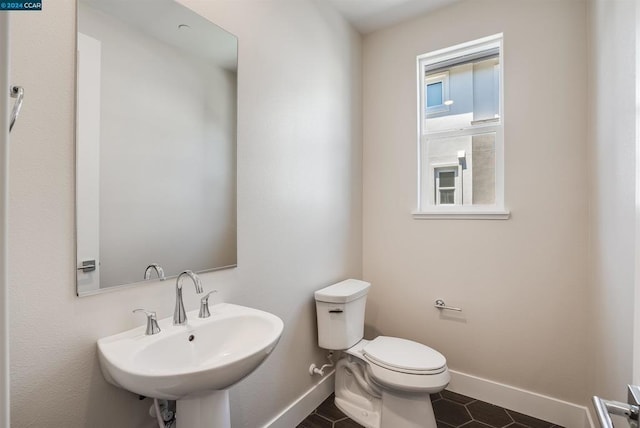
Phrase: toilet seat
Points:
(390, 363)
(404, 356)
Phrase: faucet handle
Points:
(204, 305)
(152, 322)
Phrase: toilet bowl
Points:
(379, 383)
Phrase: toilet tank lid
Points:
(343, 292)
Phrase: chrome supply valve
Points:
(152, 322)
(204, 305)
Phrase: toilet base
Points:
(360, 405)
(379, 407)
(364, 416)
(407, 411)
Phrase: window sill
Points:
(462, 214)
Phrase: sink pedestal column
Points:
(206, 410)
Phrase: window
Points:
(437, 93)
(460, 141)
(447, 186)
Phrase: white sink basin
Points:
(209, 354)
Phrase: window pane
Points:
(448, 179)
(464, 163)
(473, 95)
(434, 94)
(447, 197)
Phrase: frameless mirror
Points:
(155, 143)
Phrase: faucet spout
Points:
(179, 314)
(157, 268)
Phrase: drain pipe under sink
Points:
(163, 414)
(158, 414)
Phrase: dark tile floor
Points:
(451, 410)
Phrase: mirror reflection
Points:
(155, 143)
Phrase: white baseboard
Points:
(303, 406)
(539, 406)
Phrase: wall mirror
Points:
(155, 143)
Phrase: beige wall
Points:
(299, 224)
(522, 282)
(612, 150)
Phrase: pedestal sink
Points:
(194, 364)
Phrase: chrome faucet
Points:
(152, 322)
(204, 305)
(157, 268)
(179, 314)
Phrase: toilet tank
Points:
(340, 312)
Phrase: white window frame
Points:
(433, 211)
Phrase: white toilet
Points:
(382, 383)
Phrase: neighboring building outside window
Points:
(461, 148)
